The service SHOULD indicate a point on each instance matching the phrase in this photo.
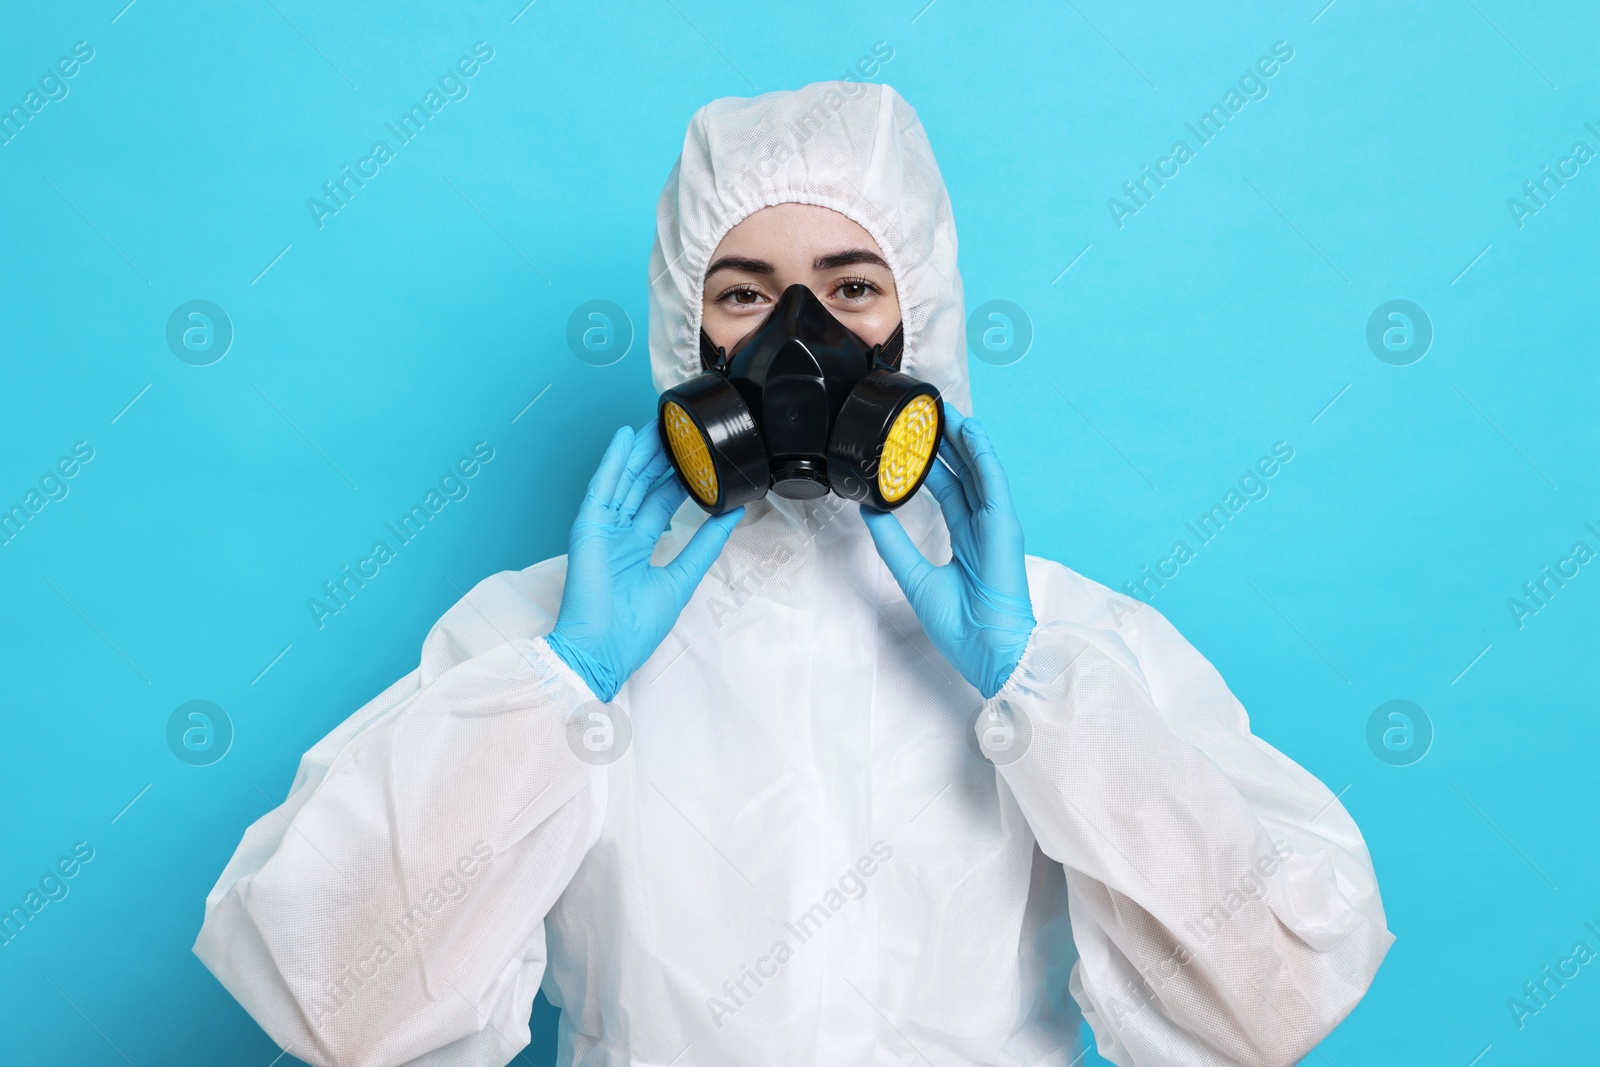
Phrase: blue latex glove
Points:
(975, 609)
(616, 608)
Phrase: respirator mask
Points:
(801, 407)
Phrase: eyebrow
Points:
(749, 266)
(847, 258)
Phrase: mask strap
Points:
(712, 358)
(888, 354)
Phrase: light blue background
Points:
(1224, 317)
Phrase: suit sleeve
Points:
(391, 910)
(1223, 901)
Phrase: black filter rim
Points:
(733, 442)
(862, 429)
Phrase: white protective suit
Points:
(794, 851)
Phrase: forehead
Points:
(794, 233)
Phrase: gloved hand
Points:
(616, 608)
(975, 609)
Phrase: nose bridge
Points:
(797, 302)
(805, 315)
(795, 309)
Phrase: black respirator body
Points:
(801, 407)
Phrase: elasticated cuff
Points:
(554, 670)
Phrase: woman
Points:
(840, 805)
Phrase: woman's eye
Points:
(855, 289)
(743, 297)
